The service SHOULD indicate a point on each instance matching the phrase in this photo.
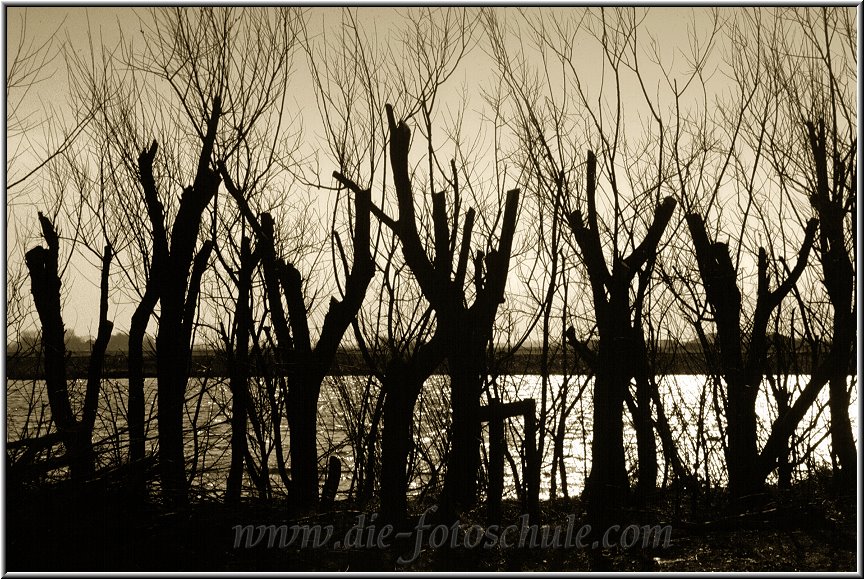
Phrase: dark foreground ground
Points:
(53, 529)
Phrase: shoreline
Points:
(351, 363)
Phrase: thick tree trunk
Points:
(45, 282)
(742, 451)
(172, 359)
(403, 382)
(303, 391)
(396, 442)
(834, 198)
(45, 287)
(743, 377)
(302, 420)
(304, 365)
(842, 440)
(173, 349)
(718, 276)
(178, 295)
(466, 383)
(607, 485)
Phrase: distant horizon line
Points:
(81, 343)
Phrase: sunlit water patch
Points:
(347, 410)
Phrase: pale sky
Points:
(668, 25)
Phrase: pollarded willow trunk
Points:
(173, 350)
(402, 382)
(842, 439)
(178, 276)
(834, 199)
(719, 278)
(470, 330)
(467, 329)
(607, 486)
(302, 414)
(135, 411)
(743, 375)
(76, 434)
(304, 365)
(466, 358)
(645, 385)
(396, 441)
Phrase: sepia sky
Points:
(672, 29)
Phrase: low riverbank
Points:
(49, 529)
(684, 360)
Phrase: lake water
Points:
(344, 418)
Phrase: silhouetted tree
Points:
(239, 369)
(225, 102)
(796, 89)
(607, 484)
(305, 365)
(77, 434)
(835, 201)
(466, 329)
(403, 379)
(552, 126)
(743, 374)
(400, 336)
(179, 283)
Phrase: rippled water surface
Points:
(688, 402)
